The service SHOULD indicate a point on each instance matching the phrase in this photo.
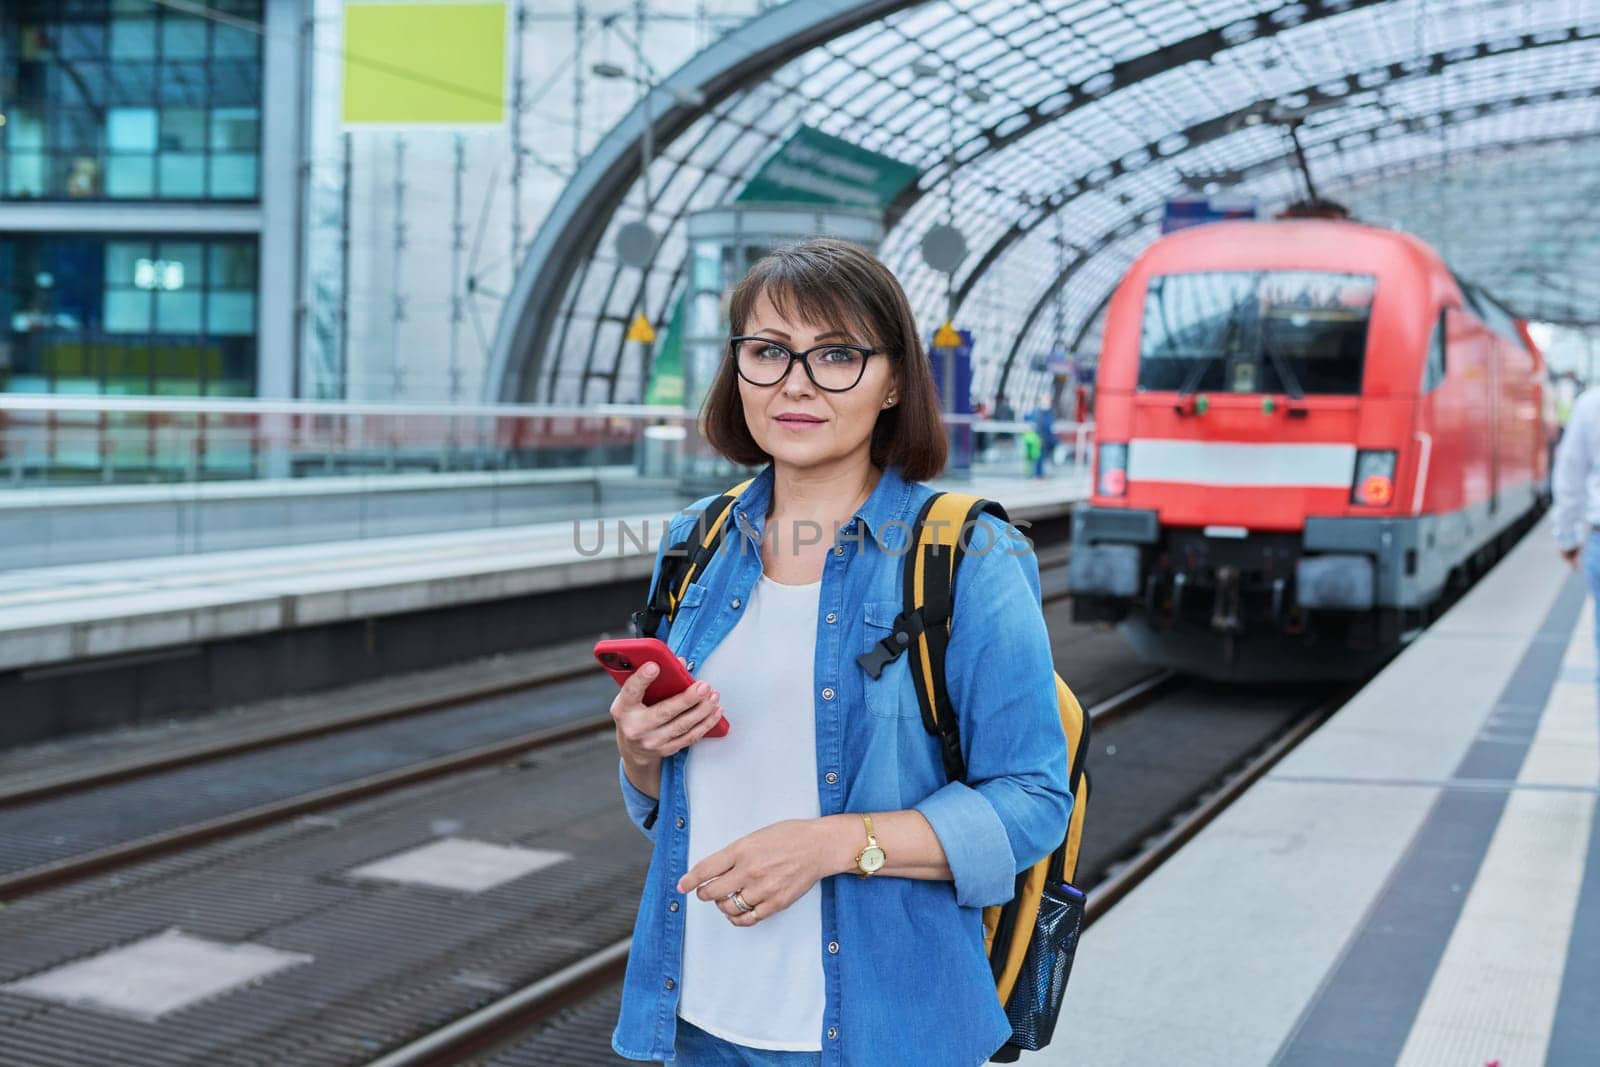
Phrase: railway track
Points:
(53, 875)
(29, 864)
(32, 788)
(575, 982)
(391, 962)
(383, 954)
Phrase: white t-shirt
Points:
(761, 985)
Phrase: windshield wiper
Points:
(1193, 380)
(1291, 384)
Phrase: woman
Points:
(816, 886)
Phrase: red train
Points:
(1308, 432)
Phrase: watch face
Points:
(871, 858)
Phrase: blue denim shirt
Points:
(907, 980)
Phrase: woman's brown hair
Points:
(843, 286)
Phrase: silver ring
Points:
(738, 902)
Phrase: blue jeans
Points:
(1591, 570)
(696, 1048)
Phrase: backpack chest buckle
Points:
(907, 627)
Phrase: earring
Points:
(889, 402)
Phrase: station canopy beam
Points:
(1084, 118)
(1422, 132)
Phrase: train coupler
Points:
(1225, 608)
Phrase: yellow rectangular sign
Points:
(424, 64)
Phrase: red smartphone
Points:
(622, 656)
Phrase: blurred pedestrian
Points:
(1004, 412)
(1032, 451)
(1575, 484)
(1045, 425)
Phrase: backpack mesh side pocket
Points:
(1035, 1000)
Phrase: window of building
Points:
(129, 101)
(133, 38)
(128, 315)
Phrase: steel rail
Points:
(50, 875)
(29, 790)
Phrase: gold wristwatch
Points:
(869, 859)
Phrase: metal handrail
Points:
(60, 402)
(56, 438)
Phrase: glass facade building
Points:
(113, 103)
(126, 99)
(167, 315)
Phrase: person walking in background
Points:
(1045, 426)
(1575, 484)
(1032, 451)
(1005, 441)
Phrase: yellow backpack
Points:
(1032, 937)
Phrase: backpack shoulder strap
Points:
(1075, 723)
(685, 562)
(942, 531)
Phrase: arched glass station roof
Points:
(1054, 132)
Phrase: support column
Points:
(278, 286)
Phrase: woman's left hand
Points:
(771, 869)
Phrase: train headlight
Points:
(1113, 479)
(1374, 485)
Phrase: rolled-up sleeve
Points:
(1012, 810)
(976, 844)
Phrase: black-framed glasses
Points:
(763, 361)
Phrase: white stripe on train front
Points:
(1222, 463)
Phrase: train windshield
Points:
(1295, 332)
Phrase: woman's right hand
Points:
(650, 732)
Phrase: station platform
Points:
(61, 525)
(121, 614)
(55, 614)
(1417, 883)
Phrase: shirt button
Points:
(735, 603)
(832, 617)
(833, 946)
(691, 665)
(827, 692)
(838, 550)
(672, 906)
(671, 984)
(831, 778)
(679, 823)
(833, 1033)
